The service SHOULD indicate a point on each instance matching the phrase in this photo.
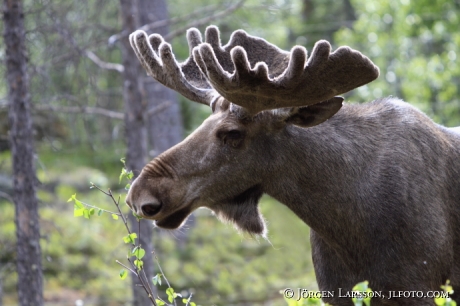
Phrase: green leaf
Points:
(115, 217)
(137, 216)
(159, 302)
(122, 175)
(99, 213)
(171, 294)
(91, 211)
(170, 291)
(192, 304)
(157, 279)
(365, 291)
(78, 212)
(123, 273)
(134, 250)
(79, 204)
(127, 186)
(138, 263)
(440, 301)
(448, 288)
(139, 253)
(131, 238)
(72, 198)
(86, 213)
(125, 174)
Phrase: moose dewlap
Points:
(378, 183)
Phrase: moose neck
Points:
(319, 169)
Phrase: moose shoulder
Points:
(378, 183)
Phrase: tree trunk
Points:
(350, 14)
(1, 292)
(165, 127)
(29, 267)
(136, 136)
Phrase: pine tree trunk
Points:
(136, 136)
(29, 267)
(165, 128)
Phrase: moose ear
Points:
(315, 114)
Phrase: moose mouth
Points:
(175, 220)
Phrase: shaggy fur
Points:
(377, 183)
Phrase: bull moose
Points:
(378, 183)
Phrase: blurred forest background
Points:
(78, 79)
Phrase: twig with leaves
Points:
(135, 255)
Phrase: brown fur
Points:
(377, 183)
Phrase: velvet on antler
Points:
(253, 73)
(157, 58)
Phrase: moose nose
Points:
(150, 209)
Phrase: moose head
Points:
(256, 91)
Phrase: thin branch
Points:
(104, 210)
(110, 66)
(189, 299)
(152, 299)
(135, 269)
(161, 270)
(204, 20)
(91, 110)
(125, 266)
(159, 108)
(116, 37)
(6, 196)
(160, 23)
(142, 270)
(79, 110)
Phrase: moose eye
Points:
(232, 138)
(234, 134)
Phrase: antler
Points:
(158, 60)
(257, 75)
(251, 72)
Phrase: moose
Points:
(377, 183)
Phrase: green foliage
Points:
(137, 252)
(364, 292)
(416, 47)
(130, 238)
(125, 174)
(171, 294)
(156, 280)
(123, 274)
(443, 300)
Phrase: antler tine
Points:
(257, 75)
(157, 58)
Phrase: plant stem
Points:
(144, 281)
